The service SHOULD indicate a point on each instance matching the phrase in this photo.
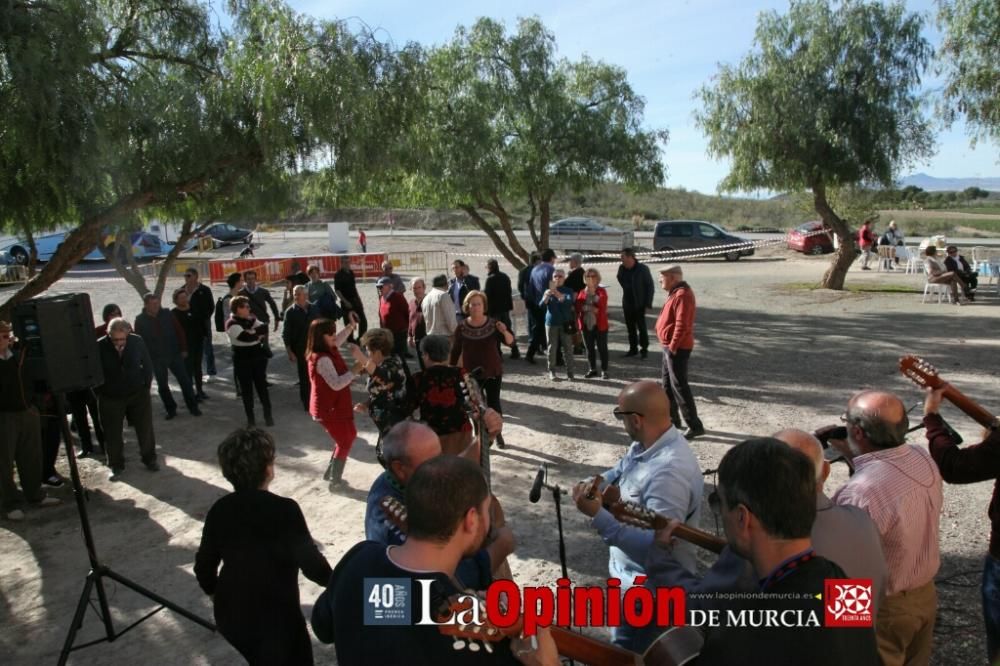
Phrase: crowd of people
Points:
(784, 534)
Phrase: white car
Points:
(582, 234)
(143, 245)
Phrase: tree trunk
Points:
(531, 222)
(129, 270)
(845, 255)
(32, 250)
(543, 237)
(501, 214)
(508, 254)
(168, 262)
(77, 244)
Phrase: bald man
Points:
(900, 488)
(841, 533)
(659, 472)
(407, 446)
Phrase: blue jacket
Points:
(559, 312)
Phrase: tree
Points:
(124, 106)
(504, 121)
(826, 99)
(968, 57)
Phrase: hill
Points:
(932, 184)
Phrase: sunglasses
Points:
(620, 415)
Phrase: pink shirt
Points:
(900, 488)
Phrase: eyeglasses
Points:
(620, 415)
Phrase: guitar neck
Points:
(586, 650)
(973, 409)
(692, 535)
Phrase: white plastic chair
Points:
(914, 260)
(940, 288)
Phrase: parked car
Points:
(800, 240)
(696, 234)
(45, 245)
(223, 233)
(582, 234)
(10, 270)
(144, 245)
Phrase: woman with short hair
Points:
(262, 542)
(475, 344)
(388, 403)
(592, 319)
(248, 338)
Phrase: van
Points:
(688, 236)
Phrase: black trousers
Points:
(674, 377)
(491, 388)
(359, 312)
(51, 436)
(81, 402)
(635, 324)
(597, 343)
(192, 363)
(176, 366)
(251, 373)
(536, 328)
(139, 410)
(399, 339)
(305, 386)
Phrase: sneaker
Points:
(552, 375)
(16, 514)
(604, 374)
(152, 466)
(55, 481)
(116, 474)
(590, 374)
(49, 501)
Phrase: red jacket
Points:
(602, 308)
(394, 313)
(324, 402)
(675, 325)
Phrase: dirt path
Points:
(767, 357)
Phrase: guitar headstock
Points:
(394, 511)
(920, 372)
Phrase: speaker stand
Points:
(98, 571)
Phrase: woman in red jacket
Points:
(330, 398)
(592, 319)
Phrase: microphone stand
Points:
(557, 493)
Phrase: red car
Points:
(800, 240)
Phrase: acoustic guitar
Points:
(925, 375)
(637, 515)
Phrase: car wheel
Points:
(817, 249)
(733, 256)
(20, 255)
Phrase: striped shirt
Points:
(900, 488)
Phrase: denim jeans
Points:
(991, 605)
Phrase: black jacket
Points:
(575, 279)
(637, 286)
(959, 265)
(128, 373)
(469, 283)
(498, 294)
(203, 305)
(259, 300)
(16, 394)
(295, 331)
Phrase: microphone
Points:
(536, 487)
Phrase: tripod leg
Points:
(81, 608)
(157, 598)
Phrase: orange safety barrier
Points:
(276, 269)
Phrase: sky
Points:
(669, 48)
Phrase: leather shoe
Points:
(153, 466)
(643, 354)
(630, 352)
(693, 432)
(195, 411)
(171, 415)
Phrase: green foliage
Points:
(504, 120)
(826, 97)
(969, 60)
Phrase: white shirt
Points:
(439, 313)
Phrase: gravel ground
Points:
(770, 354)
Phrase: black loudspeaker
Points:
(58, 335)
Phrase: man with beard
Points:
(448, 519)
